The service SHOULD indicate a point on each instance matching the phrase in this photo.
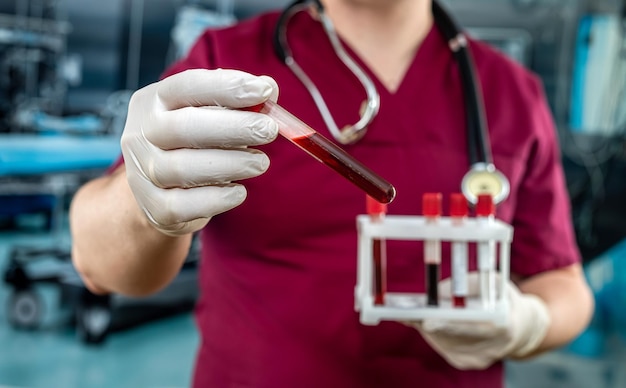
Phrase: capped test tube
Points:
(431, 208)
(377, 211)
(486, 252)
(459, 251)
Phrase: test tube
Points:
(377, 211)
(327, 152)
(485, 212)
(458, 214)
(431, 207)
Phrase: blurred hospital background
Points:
(67, 69)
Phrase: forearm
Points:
(569, 301)
(114, 247)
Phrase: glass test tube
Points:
(327, 152)
(458, 215)
(377, 211)
(485, 212)
(431, 208)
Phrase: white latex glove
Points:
(183, 150)
(477, 345)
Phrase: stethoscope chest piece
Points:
(483, 178)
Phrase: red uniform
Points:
(278, 272)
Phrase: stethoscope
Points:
(482, 177)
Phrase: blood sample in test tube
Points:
(377, 211)
(327, 152)
(458, 215)
(486, 252)
(431, 208)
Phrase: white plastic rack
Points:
(413, 306)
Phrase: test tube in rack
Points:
(431, 208)
(377, 211)
(459, 251)
(486, 252)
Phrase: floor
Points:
(160, 353)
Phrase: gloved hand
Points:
(477, 345)
(183, 150)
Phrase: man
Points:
(279, 242)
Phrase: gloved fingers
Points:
(462, 344)
(468, 356)
(462, 329)
(477, 345)
(186, 168)
(465, 352)
(182, 228)
(275, 89)
(184, 205)
(181, 211)
(468, 361)
(221, 87)
(193, 127)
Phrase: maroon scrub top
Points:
(278, 272)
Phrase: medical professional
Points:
(278, 265)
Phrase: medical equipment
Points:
(483, 177)
(431, 205)
(192, 19)
(33, 60)
(458, 214)
(414, 306)
(46, 152)
(32, 270)
(485, 211)
(328, 153)
(377, 211)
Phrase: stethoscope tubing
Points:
(349, 134)
(479, 146)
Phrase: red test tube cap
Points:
(458, 205)
(374, 207)
(485, 205)
(431, 204)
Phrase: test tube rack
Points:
(412, 306)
